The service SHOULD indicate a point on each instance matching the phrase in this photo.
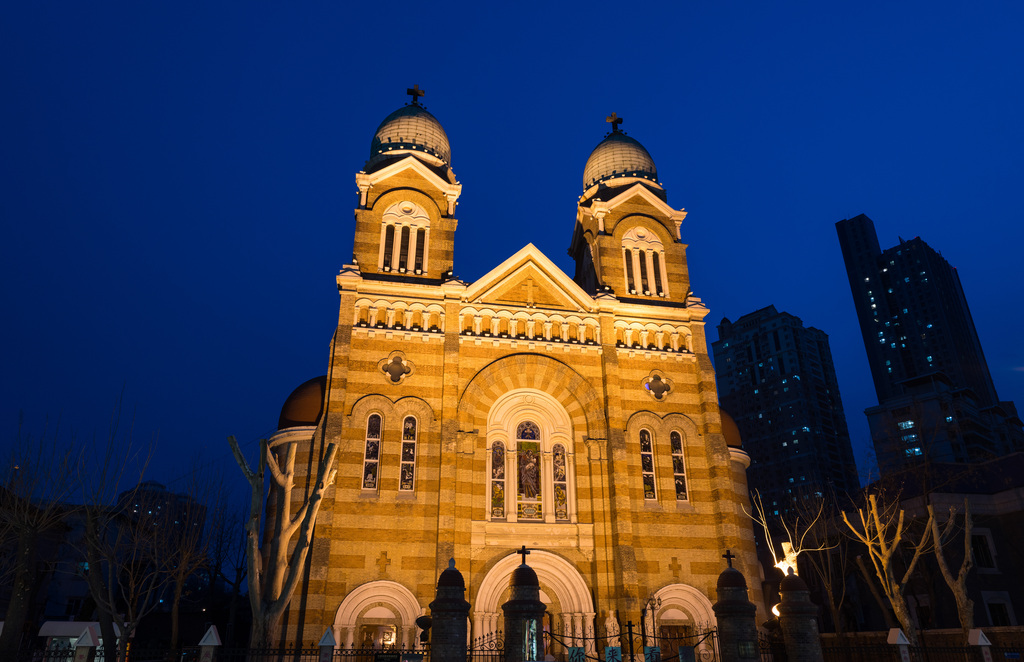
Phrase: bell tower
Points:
(405, 223)
(626, 240)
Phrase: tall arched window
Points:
(498, 480)
(405, 233)
(528, 501)
(407, 479)
(371, 459)
(678, 465)
(644, 260)
(647, 464)
(559, 474)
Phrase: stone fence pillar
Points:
(797, 617)
(449, 614)
(736, 614)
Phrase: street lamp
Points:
(652, 605)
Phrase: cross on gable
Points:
(675, 567)
(523, 551)
(728, 556)
(615, 121)
(383, 562)
(415, 92)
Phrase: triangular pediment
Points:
(416, 166)
(644, 193)
(529, 279)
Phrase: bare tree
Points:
(957, 584)
(271, 586)
(799, 528)
(227, 556)
(827, 550)
(186, 541)
(882, 528)
(38, 481)
(126, 559)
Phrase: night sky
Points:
(177, 192)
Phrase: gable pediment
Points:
(529, 279)
(640, 193)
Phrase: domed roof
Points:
(410, 130)
(730, 430)
(618, 155)
(305, 405)
(792, 582)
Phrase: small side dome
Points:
(410, 130)
(305, 405)
(730, 430)
(792, 582)
(616, 156)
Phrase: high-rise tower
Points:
(777, 380)
(936, 397)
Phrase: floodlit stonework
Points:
(577, 416)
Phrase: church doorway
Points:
(378, 615)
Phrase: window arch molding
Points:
(665, 470)
(504, 418)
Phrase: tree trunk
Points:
(175, 608)
(882, 604)
(93, 575)
(21, 594)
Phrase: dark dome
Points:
(730, 430)
(524, 576)
(792, 583)
(451, 577)
(410, 130)
(731, 578)
(305, 405)
(618, 155)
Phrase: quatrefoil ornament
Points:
(657, 385)
(396, 367)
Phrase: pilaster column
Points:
(410, 263)
(638, 281)
(664, 272)
(396, 247)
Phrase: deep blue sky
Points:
(176, 180)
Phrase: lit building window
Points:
(528, 502)
(498, 480)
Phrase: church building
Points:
(574, 415)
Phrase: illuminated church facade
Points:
(577, 416)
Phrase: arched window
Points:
(559, 473)
(498, 480)
(407, 477)
(405, 233)
(529, 498)
(530, 467)
(647, 464)
(644, 261)
(678, 465)
(371, 459)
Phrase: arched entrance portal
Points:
(378, 614)
(563, 589)
(684, 613)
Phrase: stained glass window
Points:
(678, 466)
(528, 505)
(408, 465)
(558, 469)
(498, 480)
(647, 464)
(371, 458)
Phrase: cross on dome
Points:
(728, 556)
(415, 92)
(615, 121)
(523, 551)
